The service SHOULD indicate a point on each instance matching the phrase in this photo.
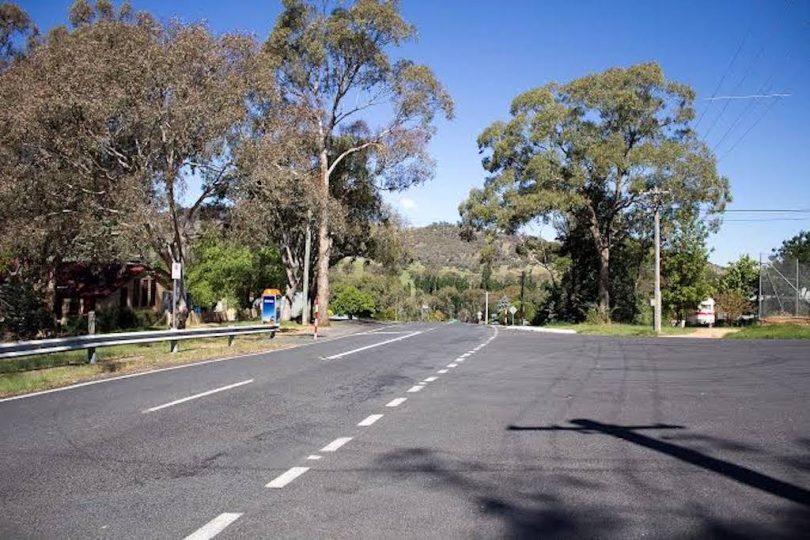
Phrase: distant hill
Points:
(439, 247)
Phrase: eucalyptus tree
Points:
(334, 60)
(585, 153)
(105, 122)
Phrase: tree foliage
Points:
(795, 248)
(351, 301)
(99, 157)
(582, 155)
(333, 61)
(685, 271)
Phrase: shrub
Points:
(351, 301)
(23, 314)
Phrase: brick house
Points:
(82, 288)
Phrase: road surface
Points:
(425, 431)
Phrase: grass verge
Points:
(29, 374)
(772, 331)
(622, 330)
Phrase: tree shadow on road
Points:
(522, 509)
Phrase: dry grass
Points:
(51, 371)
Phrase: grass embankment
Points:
(772, 331)
(626, 330)
(32, 373)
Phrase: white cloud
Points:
(406, 203)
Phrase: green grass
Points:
(618, 329)
(32, 373)
(773, 331)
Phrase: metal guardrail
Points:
(92, 342)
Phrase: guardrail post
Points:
(91, 330)
(175, 346)
(91, 355)
(230, 340)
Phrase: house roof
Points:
(97, 281)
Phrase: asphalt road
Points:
(509, 434)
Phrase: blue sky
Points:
(488, 52)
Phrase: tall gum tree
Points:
(587, 152)
(112, 117)
(334, 60)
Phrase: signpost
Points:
(177, 274)
(513, 310)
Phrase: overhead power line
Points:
(727, 71)
(750, 96)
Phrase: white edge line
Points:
(214, 527)
(442, 371)
(336, 444)
(430, 379)
(370, 420)
(373, 345)
(415, 388)
(195, 396)
(285, 478)
(181, 366)
(452, 365)
(396, 402)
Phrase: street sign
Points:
(177, 270)
(513, 310)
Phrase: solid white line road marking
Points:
(415, 388)
(334, 445)
(442, 371)
(287, 477)
(397, 402)
(213, 527)
(430, 379)
(195, 396)
(370, 420)
(367, 347)
(314, 457)
(452, 365)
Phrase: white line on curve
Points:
(452, 365)
(465, 355)
(430, 379)
(334, 445)
(367, 347)
(213, 527)
(459, 360)
(442, 371)
(415, 388)
(370, 420)
(396, 402)
(195, 396)
(287, 477)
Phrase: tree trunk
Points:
(602, 246)
(604, 284)
(324, 244)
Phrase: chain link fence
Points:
(785, 289)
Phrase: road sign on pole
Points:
(513, 310)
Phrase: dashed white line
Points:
(430, 379)
(415, 388)
(442, 371)
(334, 445)
(396, 402)
(465, 355)
(214, 527)
(314, 457)
(370, 420)
(367, 347)
(452, 365)
(195, 396)
(459, 360)
(287, 477)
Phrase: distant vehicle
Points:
(704, 315)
